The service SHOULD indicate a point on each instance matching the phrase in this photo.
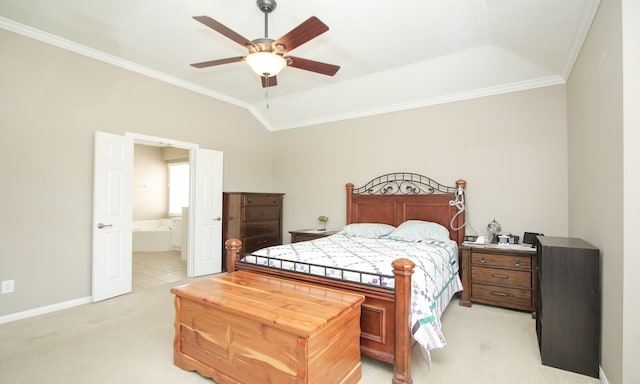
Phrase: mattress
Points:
(369, 261)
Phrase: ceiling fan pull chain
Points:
(266, 97)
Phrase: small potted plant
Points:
(323, 219)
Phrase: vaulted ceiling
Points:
(393, 55)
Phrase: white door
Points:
(206, 237)
(112, 210)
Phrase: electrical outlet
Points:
(8, 286)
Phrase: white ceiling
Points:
(394, 55)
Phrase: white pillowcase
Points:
(368, 230)
(417, 230)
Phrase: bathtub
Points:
(154, 235)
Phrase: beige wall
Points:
(174, 154)
(603, 94)
(510, 148)
(631, 174)
(595, 168)
(150, 192)
(631, 212)
(51, 103)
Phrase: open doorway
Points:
(111, 273)
(161, 191)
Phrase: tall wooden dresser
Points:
(254, 218)
(568, 293)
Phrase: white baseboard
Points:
(42, 310)
(603, 378)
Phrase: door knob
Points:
(217, 218)
(100, 225)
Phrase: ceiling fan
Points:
(267, 56)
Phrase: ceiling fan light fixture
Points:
(266, 63)
(266, 56)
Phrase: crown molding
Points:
(579, 38)
(427, 102)
(69, 45)
(48, 38)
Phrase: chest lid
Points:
(296, 307)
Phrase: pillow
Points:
(369, 230)
(416, 230)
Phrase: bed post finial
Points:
(402, 270)
(233, 247)
(461, 183)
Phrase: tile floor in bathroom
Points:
(151, 269)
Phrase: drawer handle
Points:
(517, 263)
(500, 276)
(499, 293)
(483, 260)
(249, 200)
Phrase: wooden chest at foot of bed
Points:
(245, 328)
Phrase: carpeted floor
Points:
(128, 339)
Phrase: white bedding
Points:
(434, 282)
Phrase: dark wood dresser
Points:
(254, 218)
(568, 321)
(496, 275)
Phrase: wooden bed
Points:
(389, 199)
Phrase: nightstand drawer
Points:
(304, 237)
(519, 279)
(503, 296)
(496, 275)
(309, 234)
(501, 260)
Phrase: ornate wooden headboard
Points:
(397, 197)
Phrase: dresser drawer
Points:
(261, 228)
(250, 244)
(503, 296)
(261, 214)
(253, 200)
(501, 260)
(520, 279)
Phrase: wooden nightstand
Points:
(499, 275)
(309, 234)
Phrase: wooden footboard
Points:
(384, 322)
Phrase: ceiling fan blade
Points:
(313, 66)
(304, 32)
(211, 63)
(223, 30)
(269, 81)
